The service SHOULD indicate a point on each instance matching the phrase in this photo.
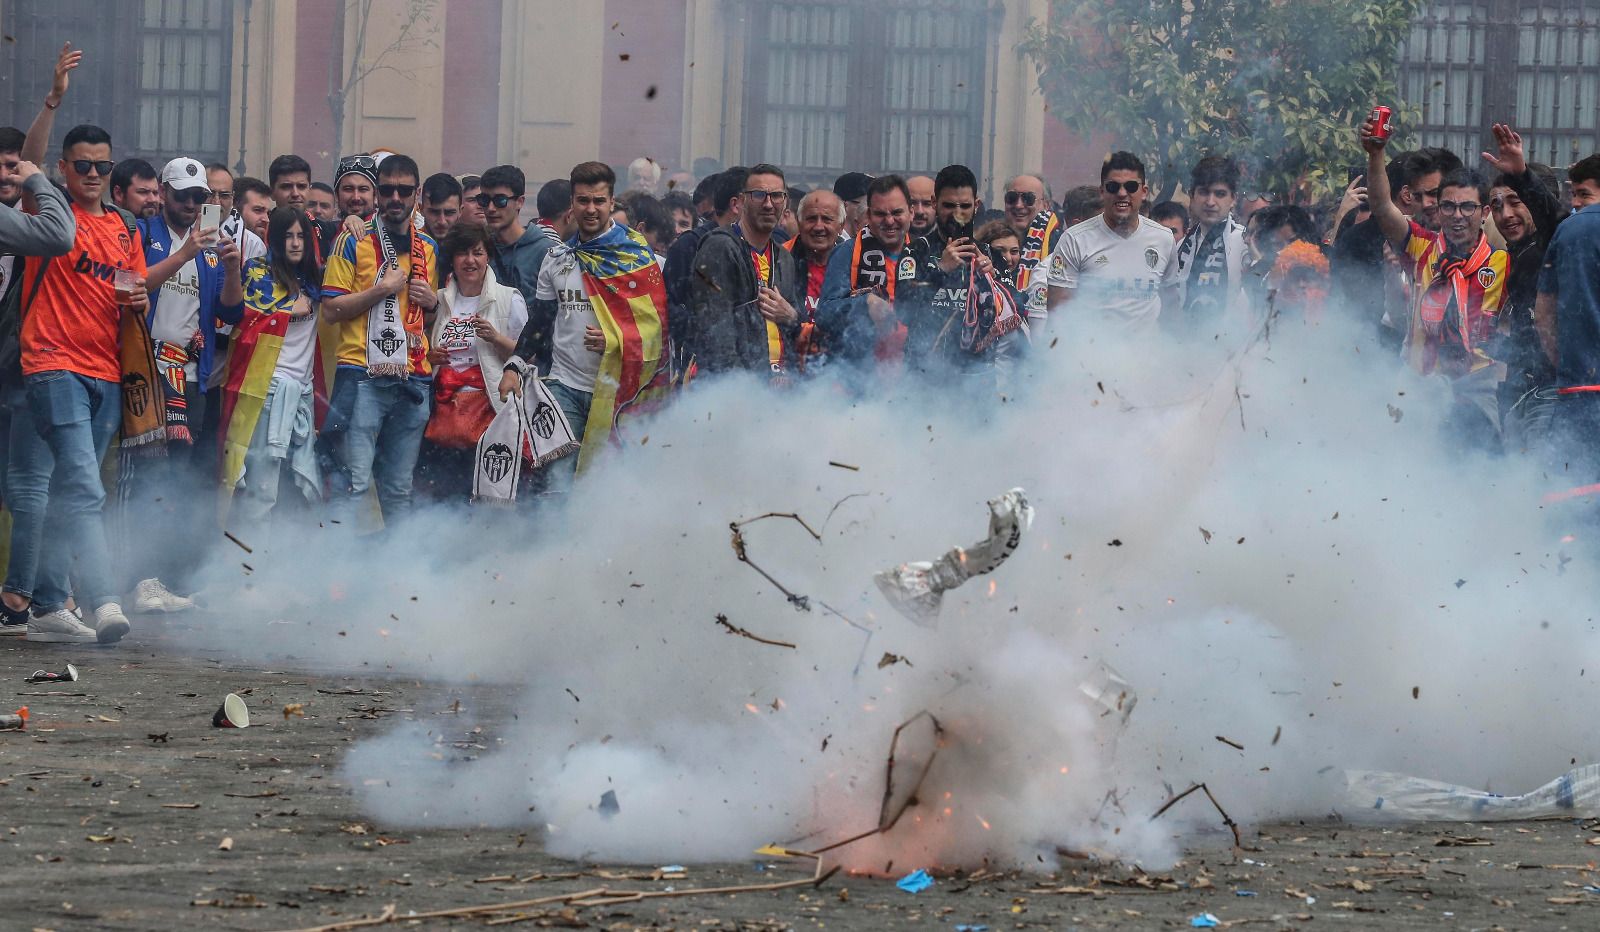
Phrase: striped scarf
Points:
(1036, 246)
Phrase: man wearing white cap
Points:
(193, 280)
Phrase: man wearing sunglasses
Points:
(519, 250)
(1119, 265)
(377, 288)
(744, 290)
(194, 286)
(73, 378)
(1038, 229)
(1460, 285)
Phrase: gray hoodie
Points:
(50, 232)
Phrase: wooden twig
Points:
(1238, 842)
(735, 629)
(886, 819)
(741, 552)
(598, 896)
(242, 545)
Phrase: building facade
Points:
(819, 86)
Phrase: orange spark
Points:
(982, 821)
(992, 588)
(1064, 771)
(752, 709)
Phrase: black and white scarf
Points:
(387, 342)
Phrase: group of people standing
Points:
(339, 349)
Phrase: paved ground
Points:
(124, 809)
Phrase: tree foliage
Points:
(1278, 85)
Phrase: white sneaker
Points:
(110, 623)
(151, 596)
(59, 627)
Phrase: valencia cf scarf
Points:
(533, 424)
(870, 271)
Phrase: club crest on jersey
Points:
(1485, 277)
(211, 258)
(908, 268)
(1151, 256)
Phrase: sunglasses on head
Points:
(83, 166)
(1025, 198)
(396, 190)
(1123, 187)
(498, 200)
(356, 163)
(191, 195)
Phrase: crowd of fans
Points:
(254, 348)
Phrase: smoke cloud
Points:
(1272, 543)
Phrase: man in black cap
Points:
(851, 189)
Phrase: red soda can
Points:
(1380, 121)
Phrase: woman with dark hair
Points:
(474, 332)
(273, 371)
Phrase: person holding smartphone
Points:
(194, 286)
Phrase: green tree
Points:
(1278, 85)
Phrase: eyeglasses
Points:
(1025, 198)
(762, 197)
(498, 200)
(1122, 187)
(220, 196)
(396, 190)
(84, 166)
(1451, 208)
(191, 195)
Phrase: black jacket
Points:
(1526, 362)
(679, 260)
(726, 330)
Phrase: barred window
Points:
(185, 47)
(894, 86)
(1536, 64)
(158, 76)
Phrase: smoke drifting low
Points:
(1272, 545)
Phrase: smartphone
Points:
(210, 216)
(953, 231)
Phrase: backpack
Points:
(13, 308)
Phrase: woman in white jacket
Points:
(474, 332)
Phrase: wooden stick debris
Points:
(598, 896)
(735, 629)
(1238, 842)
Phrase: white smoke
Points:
(1273, 547)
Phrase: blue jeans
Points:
(575, 405)
(53, 482)
(376, 427)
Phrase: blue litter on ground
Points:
(965, 928)
(915, 882)
(1245, 893)
(1205, 921)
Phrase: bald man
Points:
(1028, 212)
(922, 216)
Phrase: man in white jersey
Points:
(1117, 267)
